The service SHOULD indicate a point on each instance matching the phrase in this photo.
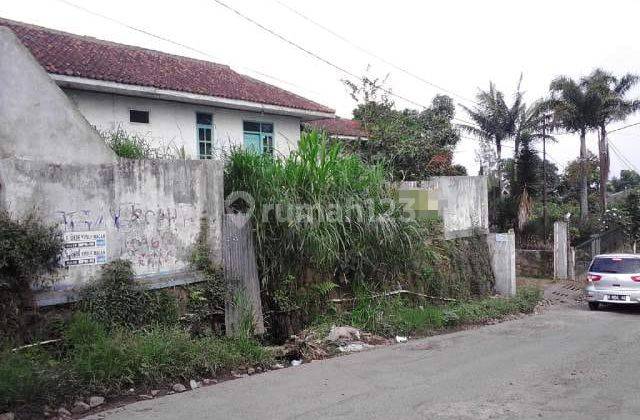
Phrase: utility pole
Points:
(544, 176)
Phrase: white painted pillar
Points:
(502, 249)
(560, 247)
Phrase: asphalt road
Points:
(566, 363)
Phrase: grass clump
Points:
(402, 316)
(320, 216)
(93, 359)
(115, 300)
(125, 145)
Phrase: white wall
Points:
(173, 124)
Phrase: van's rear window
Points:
(615, 265)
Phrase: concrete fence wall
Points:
(461, 202)
(54, 163)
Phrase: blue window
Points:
(258, 136)
(204, 132)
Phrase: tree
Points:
(628, 179)
(612, 105)
(574, 107)
(495, 121)
(571, 185)
(412, 144)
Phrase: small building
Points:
(339, 128)
(174, 102)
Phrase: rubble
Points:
(64, 413)
(96, 401)
(178, 388)
(344, 333)
(80, 407)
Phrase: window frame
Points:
(148, 111)
(205, 141)
(260, 133)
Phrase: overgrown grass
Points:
(92, 360)
(130, 146)
(308, 224)
(116, 301)
(402, 316)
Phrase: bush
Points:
(28, 250)
(115, 300)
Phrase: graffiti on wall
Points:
(148, 237)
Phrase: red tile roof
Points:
(74, 55)
(338, 127)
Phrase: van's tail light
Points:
(635, 278)
(595, 277)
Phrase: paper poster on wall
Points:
(84, 248)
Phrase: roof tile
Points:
(74, 55)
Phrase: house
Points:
(178, 102)
(339, 128)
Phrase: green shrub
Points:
(115, 300)
(207, 298)
(28, 250)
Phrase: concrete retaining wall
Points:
(534, 263)
(461, 202)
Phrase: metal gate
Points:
(604, 243)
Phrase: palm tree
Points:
(494, 120)
(612, 106)
(574, 107)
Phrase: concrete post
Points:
(595, 245)
(560, 248)
(243, 308)
(572, 263)
(502, 249)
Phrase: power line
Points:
(372, 54)
(176, 43)
(623, 127)
(204, 53)
(622, 158)
(311, 53)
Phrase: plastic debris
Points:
(401, 339)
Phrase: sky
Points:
(457, 45)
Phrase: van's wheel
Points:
(594, 306)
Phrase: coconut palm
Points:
(612, 106)
(574, 106)
(494, 120)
